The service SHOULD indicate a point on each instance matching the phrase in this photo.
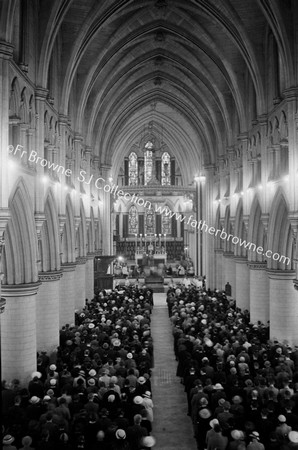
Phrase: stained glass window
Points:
(165, 169)
(150, 221)
(148, 162)
(133, 221)
(133, 169)
(166, 224)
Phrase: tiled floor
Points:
(172, 427)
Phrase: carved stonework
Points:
(68, 267)
(50, 276)
(81, 260)
(257, 265)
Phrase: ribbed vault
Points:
(195, 60)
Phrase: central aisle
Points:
(171, 427)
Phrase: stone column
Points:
(18, 331)
(47, 311)
(283, 306)
(6, 51)
(105, 210)
(229, 271)
(218, 262)
(242, 283)
(89, 267)
(258, 292)
(208, 239)
(80, 282)
(67, 294)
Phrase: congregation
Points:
(97, 392)
(241, 386)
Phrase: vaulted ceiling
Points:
(186, 65)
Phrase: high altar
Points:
(150, 175)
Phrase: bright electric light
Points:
(260, 186)
(12, 165)
(45, 179)
(286, 178)
(241, 192)
(110, 179)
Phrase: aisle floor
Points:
(172, 427)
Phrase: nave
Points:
(172, 427)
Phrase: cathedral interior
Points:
(130, 127)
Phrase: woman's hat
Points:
(138, 400)
(204, 413)
(213, 422)
(293, 437)
(120, 434)
(237, 434)
(34, 400)
(255, 435)
(8, 439)
(148, 441)
(36, 374)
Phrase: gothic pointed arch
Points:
(20, 236)
(240, 230)
(50, 258)
(280, 235)
(228, 245)
(68, 237)
(81, 238)
(218, 226)
(91, 242)
(256, 235)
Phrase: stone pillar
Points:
(229, 271)
(47, 311)
(80, 282)
(67, 294)
(258, 292)
(283, 306)
(208, 239)
(89, 267)
(18, 331)
(218, 260)
(105, 210)
(242, 283)
(6, 51)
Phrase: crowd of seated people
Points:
(97, 393)
(241, 387)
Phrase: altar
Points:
(154, 259)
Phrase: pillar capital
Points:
(41, 93)
(228, 255)
(218, 251)
(63, 119)
(6, 50)
(281, 275)
(68, 267)
(255, 265)
(81, 260)
(20, 290)
(53, 275)
(240, 259)
(4, 217)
